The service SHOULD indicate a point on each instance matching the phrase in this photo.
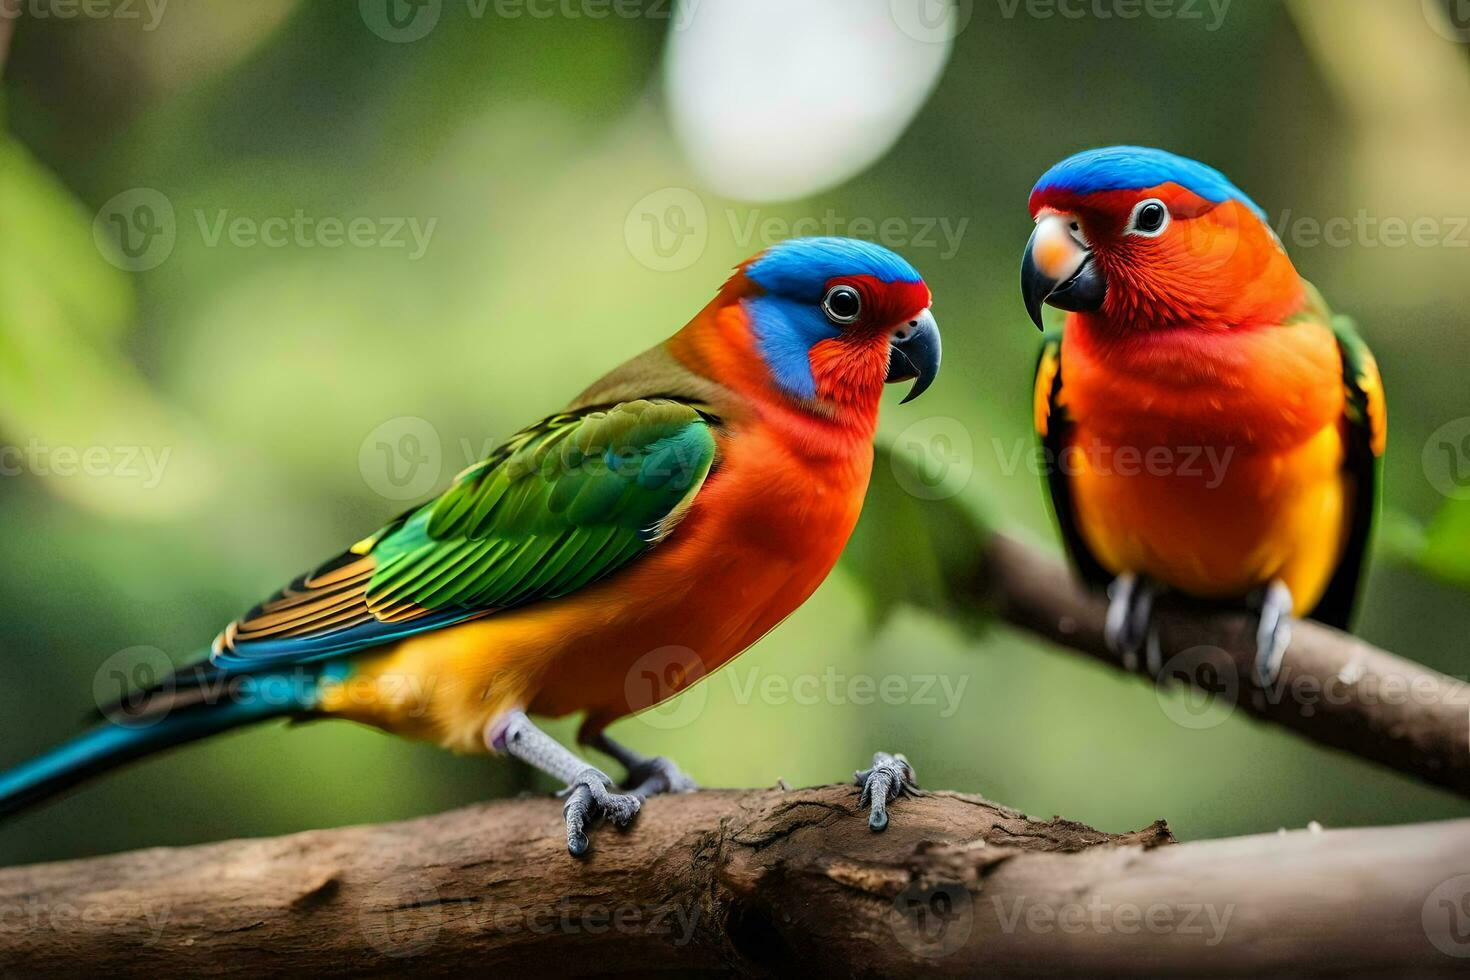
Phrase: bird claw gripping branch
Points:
(890, 777)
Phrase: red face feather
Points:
(849, 369)
(773, 335)
(1214, 266)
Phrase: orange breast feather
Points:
(1211, 463)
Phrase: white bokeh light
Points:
(777, 99)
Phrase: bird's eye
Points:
(1149, 219)
(842, 304)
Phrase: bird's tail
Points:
(203, 705)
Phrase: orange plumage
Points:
(1213, 428)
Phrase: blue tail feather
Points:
(109, 745)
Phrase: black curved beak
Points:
(1083, 291)
(913, 355)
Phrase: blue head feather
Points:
(801, 268)
(788, 319)
(1130, 168)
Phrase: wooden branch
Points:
(756, 882)
(1333, 688)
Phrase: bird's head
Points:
(1140, 239)
(829, 320)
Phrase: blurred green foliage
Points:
(913, 542)
(1446, 544)
(264, 370)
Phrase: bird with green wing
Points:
(670, 515)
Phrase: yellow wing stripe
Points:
(1371, 384)
(1046, 375)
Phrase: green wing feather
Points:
(1365, 427)
(568, 502)
(562, 504)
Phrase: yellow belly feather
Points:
(1222, 526)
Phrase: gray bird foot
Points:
(890, 777)
(647, 775)
(589, 799)
(1273, 635)
(1128, 629)
(658, 775)
(589, 790)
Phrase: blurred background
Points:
(273, 270)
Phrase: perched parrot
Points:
(1211, 427)
(689, 501)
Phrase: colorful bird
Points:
(1210, 427)
(670, 516)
